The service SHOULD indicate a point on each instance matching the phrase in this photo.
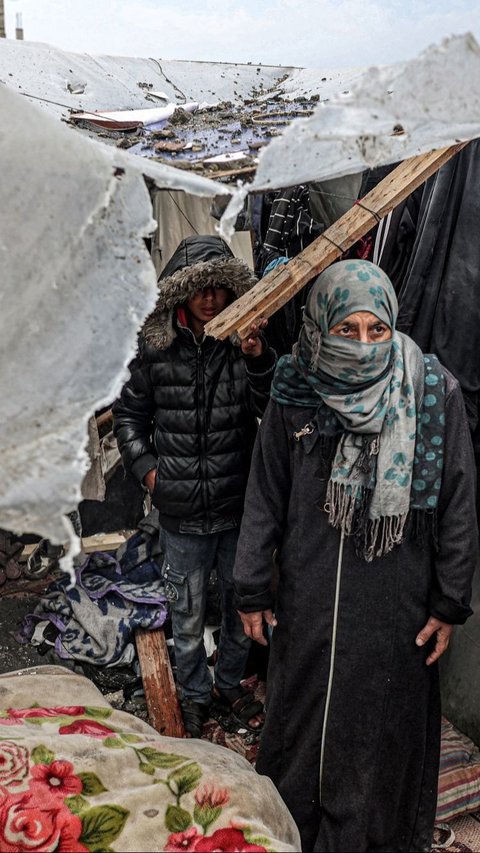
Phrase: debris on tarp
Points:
(224, 130)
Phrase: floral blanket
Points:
(77, 775)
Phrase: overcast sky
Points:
(313, 33)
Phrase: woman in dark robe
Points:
(362, 483)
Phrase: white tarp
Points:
(77, 281)
(80, 81)
(435, 98)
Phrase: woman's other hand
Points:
(253, 624)
(443, 631)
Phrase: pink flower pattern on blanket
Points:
(45, 800)
(230, 840)
(62, 711)
(14, 766)
(86, 727)
(30, 822)
(57, 779)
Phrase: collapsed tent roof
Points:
(274, 126)
(209, 118)
(84, 82)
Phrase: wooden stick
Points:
(278, 286)
(104, 418)
(228, 173)
(160, 694)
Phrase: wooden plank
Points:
(105, 541)
(97, 542)
(227, 173)
(278, 286)
(160, 693)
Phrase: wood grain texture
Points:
(160, 693)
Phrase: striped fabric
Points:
(291, 226)
(459, 778)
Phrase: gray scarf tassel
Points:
(381, 534)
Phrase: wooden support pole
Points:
(160, 694)
(278, 286)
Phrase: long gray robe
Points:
(355, 682)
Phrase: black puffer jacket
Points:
(189, 408)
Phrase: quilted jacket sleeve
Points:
(133, 421)
(260, 372)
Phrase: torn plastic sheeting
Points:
(77, 283)
(42, 71)
(435, 98)
(108, 124)
(309, 82)
(166, 177)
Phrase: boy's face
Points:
(206, 304)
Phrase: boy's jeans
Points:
(189, 559)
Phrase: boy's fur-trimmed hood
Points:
(211, 264)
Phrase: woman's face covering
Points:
(362, 326)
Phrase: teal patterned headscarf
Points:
(390, 454)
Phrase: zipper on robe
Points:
(332, 664)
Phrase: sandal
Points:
(194, 714)
(241, 703)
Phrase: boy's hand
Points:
(252, 345)
(149, 480)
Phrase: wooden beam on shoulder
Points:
(278, 286)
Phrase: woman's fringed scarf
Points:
(386, 400)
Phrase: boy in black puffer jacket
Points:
(185, 425)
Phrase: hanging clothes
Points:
(440, 295)
(291, 228)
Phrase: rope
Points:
(183, 213)
(69, 107)
(340, 248)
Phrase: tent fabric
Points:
(181, 215)
(439, 298)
